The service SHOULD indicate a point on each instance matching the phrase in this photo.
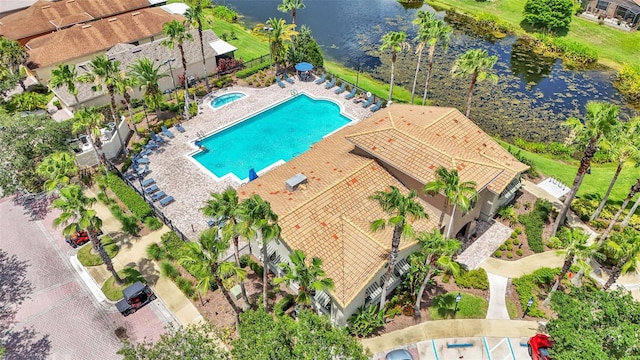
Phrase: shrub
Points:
(130, 225)
(497, 254)
(245, 73)
(283, 305)
(513, 235)
(244, 260)
(503, 247)
(153, 223)
(225, 13)
(393, 312)
(534, 222)
(228, 64)
(518, 231)
(169, 270)
(366, 321)
(472, 279)
(555, 243)
(628, 83)
(519, 252)
(221, 82)
(508, 242)
(185, 286)
(509, 255)
(138, 207)
(531, 285)
(256, 268)
(156, 252)
(516, 241)
(57, 104)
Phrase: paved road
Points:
(60, 307)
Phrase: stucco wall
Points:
(111, 147)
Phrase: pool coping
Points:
(229, 103)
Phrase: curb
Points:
(88, 280)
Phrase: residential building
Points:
(46, 16)
(83, 42)
(323, 200)
(170, 61)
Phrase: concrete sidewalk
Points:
(132, 253)
(459, 328)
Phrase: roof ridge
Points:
(442, 117)
(327, 188)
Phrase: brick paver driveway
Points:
(60, 306)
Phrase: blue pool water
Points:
(225, 99)
(279, 133)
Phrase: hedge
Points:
(129, 197)
(245, 73)
(473, 279)
(283, 305)
(530, 285)
(534, 223)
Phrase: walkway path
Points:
(485, 245)
(497, 297)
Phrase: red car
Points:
(538, 347)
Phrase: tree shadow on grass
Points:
(148, 273)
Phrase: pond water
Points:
(532, 97)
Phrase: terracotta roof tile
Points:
(46, 16)
(86, 39)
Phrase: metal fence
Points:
(247, 64)
(155, 209)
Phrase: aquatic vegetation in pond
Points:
(628, 82)
(528, 64)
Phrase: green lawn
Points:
(249, 46)
(87, 257)
(113, 291)
(615, 47)
(595, 183)
(470, 307)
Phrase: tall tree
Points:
(431, 31)
(76, 214)
(402, 211)
(225, 206)
(278, 33)
(124, 86)
(13, 55)
(204, 255)
(88, 121)
(623, 144)
(196, 18)
(260, 223)
(624, 249)
(104, 72)
(627, 218)
(57, 170)
(65, 75)
(177, 34)
(436, 251)
(575, 250)
(477, 64)
(635, 188)
(460, 194)
(601, 118)
(550, 15)
(148, 75)
(309, 277)
(396, 42)
(293, 6)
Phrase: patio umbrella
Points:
(252, 174)
(304, 66)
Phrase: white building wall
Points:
(110, 147)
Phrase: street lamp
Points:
(173, 81)
(358, 75)
(458, 298)
(529, 303)
(269, 29)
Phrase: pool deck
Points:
(178, 175)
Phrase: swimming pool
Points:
(222, 100)
(276, 134)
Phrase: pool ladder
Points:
(294, 92)
(200, 134)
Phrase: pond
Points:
(532, 97)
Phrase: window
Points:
(602, 5)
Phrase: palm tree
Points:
(278, 33)
(461, 195)
(65, 74)
(177, 34)
(147, 76)
(13, 55)
(576, 250)
(226, 206)
(437, 252)
(124, 86)
(195, 16)
(104, 72)
(293, 6)
(396, 41)
(625, 247)
(601, 118)
(635, 188)
(57, 169)
(88, 121)
(308, 277)
(204, 256)
(623, 144)
(77, 215)
(477, 64)
(403, 210)
(627, 218)
(431, 31)
(260, 223)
